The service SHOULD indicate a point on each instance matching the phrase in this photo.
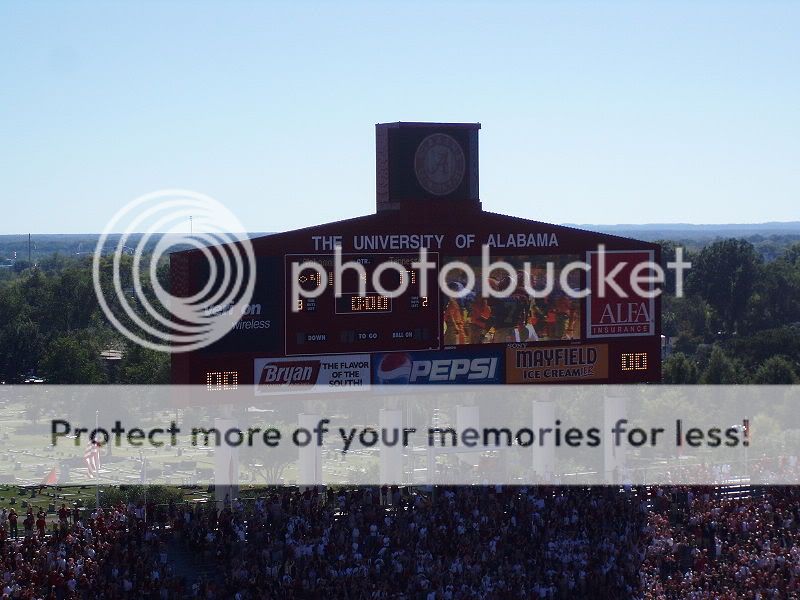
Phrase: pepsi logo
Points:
(394, 369)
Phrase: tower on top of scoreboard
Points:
(427, 197)
(426, 162)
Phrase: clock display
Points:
(369, 303)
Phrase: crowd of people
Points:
(706, 546)
(451, 544)
(441, 544)
(109, 553)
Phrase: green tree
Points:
(776, 370)
(143, 366)
(72, 300)
(754, 349)
(74, 358)
(721, 369)
(724, 274)
(21, 345)
(691, 317)
(792, 254)
(776, 298)
(679, 369)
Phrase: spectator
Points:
(12, 522)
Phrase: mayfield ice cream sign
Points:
(615, 307)
(312, 374)
(551, 364)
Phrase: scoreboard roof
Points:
(500, 231)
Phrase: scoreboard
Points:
(427, 198)
(356, 322)
(550, 339)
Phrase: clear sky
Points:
(600, 112)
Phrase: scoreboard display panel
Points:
(360, 318)
(313, 326)
(363, 336)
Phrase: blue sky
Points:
(592, 112)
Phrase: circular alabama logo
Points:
(439, 164)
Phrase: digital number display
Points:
(363, 318)
(633, 361)
(218, 381)
(371, 303)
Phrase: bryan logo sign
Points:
(312, 374)
(550, 364)
(615, 308)
(412, 368)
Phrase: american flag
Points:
(92, 458)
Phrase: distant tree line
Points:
(52, 327)
(739, 321)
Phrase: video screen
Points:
(476, 318)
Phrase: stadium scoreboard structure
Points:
(427, 197)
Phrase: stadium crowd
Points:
(458, 543)
(448, 544)
(108, 553)
(705, 546)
